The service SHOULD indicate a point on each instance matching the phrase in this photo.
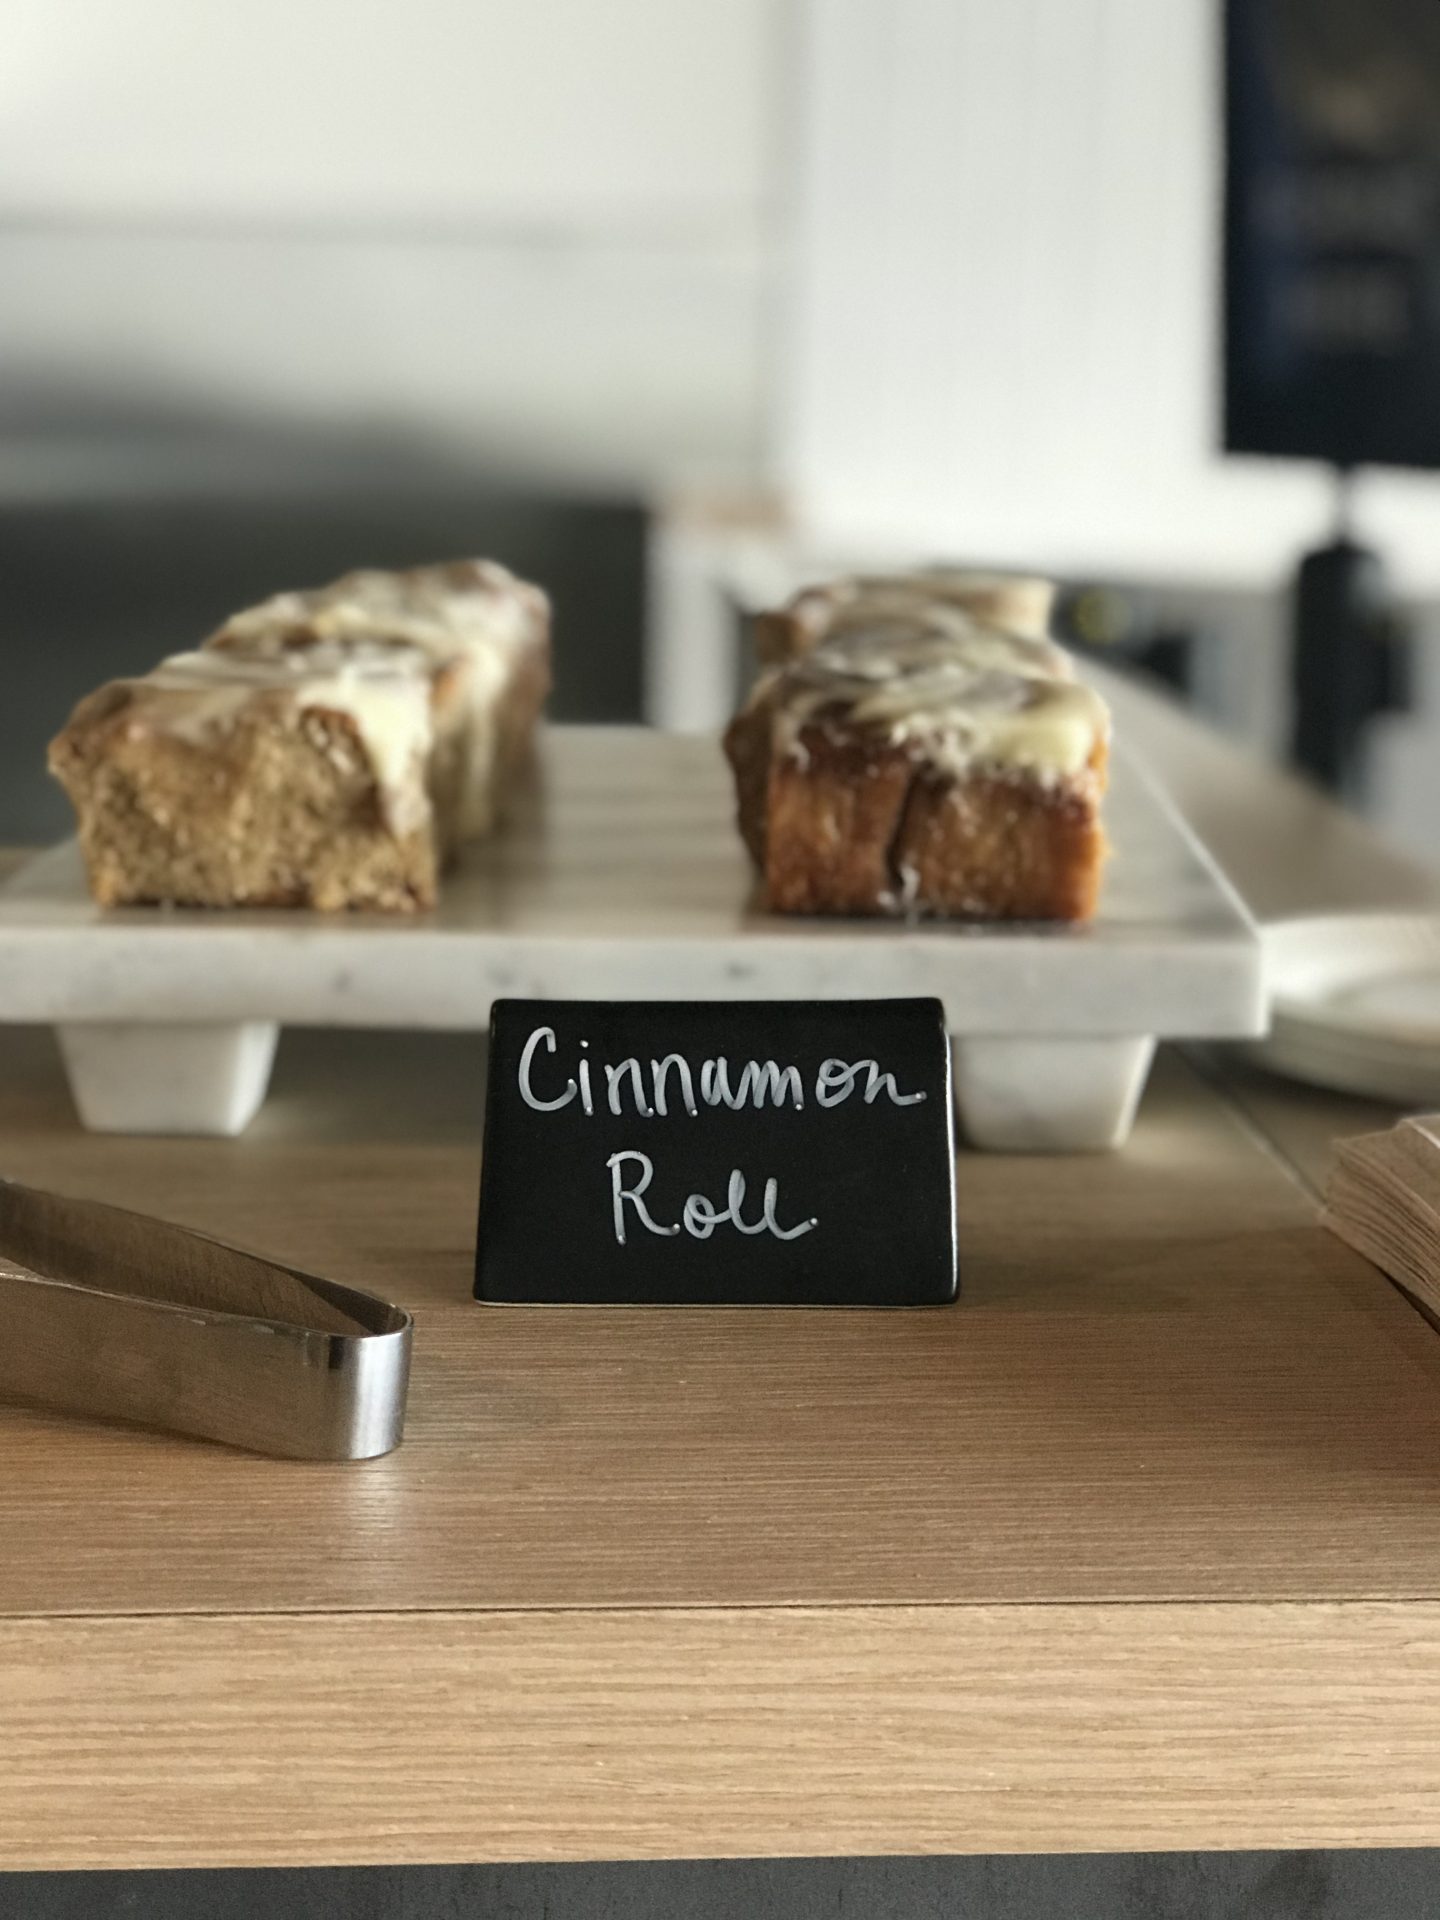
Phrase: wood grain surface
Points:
(1164, 1381)
(500, 1736)
(1137, 1547)
(1300, 1126)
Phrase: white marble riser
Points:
(627, 881)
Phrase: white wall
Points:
(547, 230)
(558, 111)
(609, 362)
(1004, 327)
(541, 227)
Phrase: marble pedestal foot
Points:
(1049, 1096)
(1011, 1096)
(163, 1078)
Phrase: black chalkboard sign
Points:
(751, 1153)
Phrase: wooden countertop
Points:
(1139, 1547)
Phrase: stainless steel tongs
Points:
(111, 1313)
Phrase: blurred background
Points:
(670, 304)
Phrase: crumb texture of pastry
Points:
(918, 760)
(215, 783)
(328, 748)
(479, 631)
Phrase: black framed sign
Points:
(1332, 230)
(756, 1153)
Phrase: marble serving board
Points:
(624, 878)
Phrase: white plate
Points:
(1355, 1003)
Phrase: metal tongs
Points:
(111, 1313)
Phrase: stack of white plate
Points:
(1355, 1004)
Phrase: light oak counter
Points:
(1138, 1547)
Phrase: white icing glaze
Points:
(872, 635)
(444, 610)
(957, 706)
(472, 611)
(1019, 604)
(385, 697)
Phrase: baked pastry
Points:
(485, 636)
(1015, 603)
(911, 770)
(224, 782)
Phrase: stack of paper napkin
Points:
(1384, 1199)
